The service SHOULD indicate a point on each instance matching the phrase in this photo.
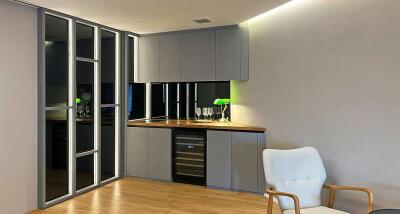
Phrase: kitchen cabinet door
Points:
(244, 65)
(137, 151)
(160, 152)
(170, 57)
(219, 159)
(198, 56)
(149, 67)
(262, 143)
(244, 161)
(228, 54)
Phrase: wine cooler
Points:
(189, 156)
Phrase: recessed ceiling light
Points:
(202, 20)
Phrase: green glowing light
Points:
(78, 100)
(222, 101)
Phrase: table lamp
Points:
(222, 102)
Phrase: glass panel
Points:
(107, 143)
(182, 100)
(84, 171)
(136, 91)
(136, 100)
(172, 100)
(56, 46)
(157, 100)
(107, 67)
(84, 41)
(191, 100)
(85, 95)
(131, 61)
(208, 92)
(56, 154)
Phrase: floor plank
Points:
(133, 195)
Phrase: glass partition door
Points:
(57, 108)
(86, 78)
(80, 138)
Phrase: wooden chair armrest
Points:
(271, 193)
(334, 188)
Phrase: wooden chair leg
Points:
(270, 204)
(331, 199)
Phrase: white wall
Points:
(326, 73)
(18, 112)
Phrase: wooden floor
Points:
(133, 195)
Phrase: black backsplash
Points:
(207, 92)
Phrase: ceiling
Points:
(151, 16)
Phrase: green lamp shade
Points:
(222, 101)
(78, 100)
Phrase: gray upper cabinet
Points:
(137, 146)
(149, 66)
(219, 159)
(219, 54)
(198, 56)
(228, 53)
(160, 151)
(170, 57)
(245, 161)
(244, 55)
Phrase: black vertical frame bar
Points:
(124, 68)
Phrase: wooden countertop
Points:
(233, 126)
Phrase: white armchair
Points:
(296, 177)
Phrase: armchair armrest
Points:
(273, 193)
(334, 188)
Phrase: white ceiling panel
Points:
(151, 16)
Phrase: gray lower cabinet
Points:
(170, 57)
(234, 160)
(219, 159)
(244, 161)
(148, 153)
(160, 153)
(198, 56)
(149, 67)
(137, 147)
(262, 144)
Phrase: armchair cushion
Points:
(316, 210)
(297, 171)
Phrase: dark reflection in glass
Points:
(173, 102)
(56, 154)
(56, 46)
(84, 171)
(107, 143)
(84, 41)
(157, 99)
(136, 100)
(182, 100)
(207, 92)
(84, 119)
(136, 91)
(107, 67)
(131, 59)
(191, 100)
